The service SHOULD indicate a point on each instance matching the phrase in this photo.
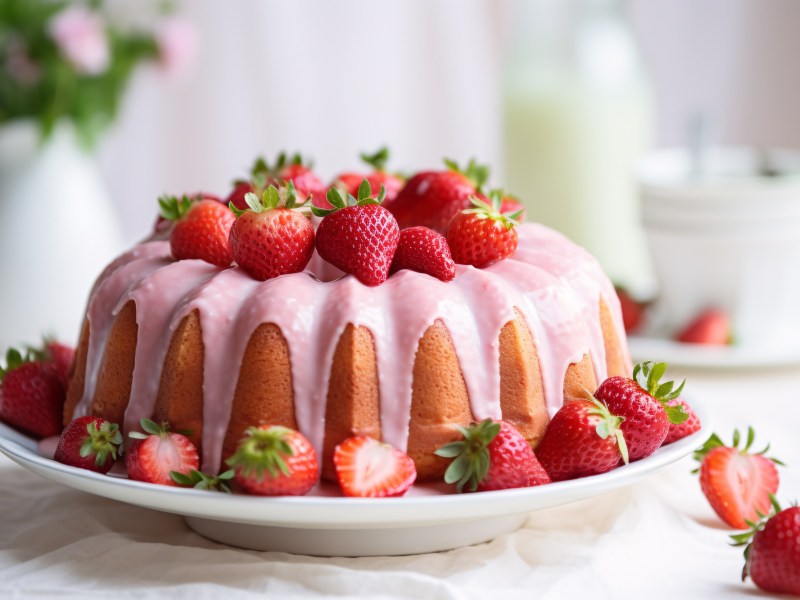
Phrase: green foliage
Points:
(201, 481)
(55, 89)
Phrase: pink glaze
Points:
(553, 283)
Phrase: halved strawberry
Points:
(482, 235)
(712, 327)
(275, 461)
(89, 443)
(492, 456)
(159, 452)
(366, 467)
(737, 483)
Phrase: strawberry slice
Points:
(711, 328)
(368, 468)
(159, 452)
(737, 484)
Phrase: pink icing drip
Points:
(156, 297)
(554, 284)
(122, 274)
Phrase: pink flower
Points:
(80, 35)
(177, 44)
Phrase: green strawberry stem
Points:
(263, 450)
(377, 160)
(609, 425)
(200, 481)
(476, 173)
(648, 375)
(102, 442)
(340, 200)
(484, 210)
(715, 442)
(172, 208)
(471, 455)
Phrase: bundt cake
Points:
(213, 351)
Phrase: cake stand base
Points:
(356, 542)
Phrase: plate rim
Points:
(326, 512)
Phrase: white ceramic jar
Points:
(727, 238)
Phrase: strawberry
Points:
(642, 404)
(378, 177)
(201, 229)
(89, 443)
(482, 235)
(368, 468)
(61, 355)
(158, 453)
(678, 431)
(433, 198)
(272, 237)
(32, 394)
(200, 481)
(737, 483)
(163, 224)
(632, 311)
(275, 461)
(772, 553)
(358, 235)
(286, 169)
(492, 456)
(583, 438)
(425, 251)
(711, 327)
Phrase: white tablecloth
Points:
(656, 539)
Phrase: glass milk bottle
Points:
(577, 115)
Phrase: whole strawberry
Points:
(425, 251)
(89, 443)
(273, 237)
(201, 229)
(61, 355)
(358, 235)
(772, 553)
(158, 453)
(275, 461)
(510, 204)
(737, 483)
(678, 431)
(378, 177)
(367, 468)
(632, 310)
(482, 235)
(492, 456)
(285, 169)
(32, 394)
(433, 198)
(583, 438)
(642, 404)
(712, 327)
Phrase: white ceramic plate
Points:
(678, 354)
(423, 521)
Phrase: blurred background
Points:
(560, 97)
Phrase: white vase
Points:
(58, 229)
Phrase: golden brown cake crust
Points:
(264, 394)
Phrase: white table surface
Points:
(656, 539)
